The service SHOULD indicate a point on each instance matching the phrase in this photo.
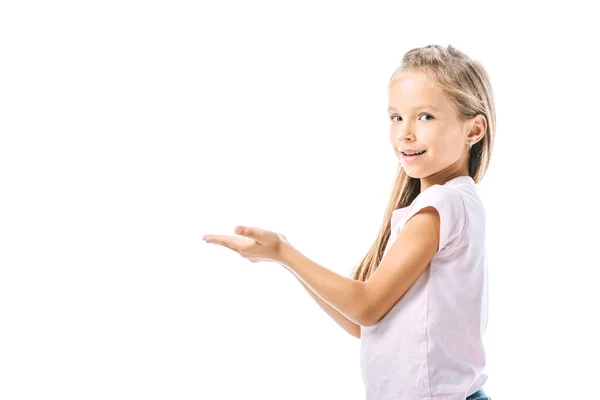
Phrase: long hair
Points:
(466, 83)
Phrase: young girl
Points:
(418, 300)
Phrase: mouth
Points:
(416, 153)
(412, 156)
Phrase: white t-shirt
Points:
(429, 346)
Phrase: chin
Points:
(412, 173)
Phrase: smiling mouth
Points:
(413, 154)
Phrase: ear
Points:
(477, 128)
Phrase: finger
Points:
(232, 242)
(251, 232)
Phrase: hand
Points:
(261, 245)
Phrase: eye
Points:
(394, 116)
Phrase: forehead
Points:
(415, 89)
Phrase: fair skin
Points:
(353, 303)
(436, 129)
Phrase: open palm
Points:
(256, 244)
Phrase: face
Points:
(424, 119)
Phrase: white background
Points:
(130, 129)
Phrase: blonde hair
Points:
(467, 84)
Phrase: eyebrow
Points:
(418, 107)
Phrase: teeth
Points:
(412, 154)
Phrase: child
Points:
(428, 345)
(418, 299)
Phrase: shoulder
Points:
(443, 198)
(445, 209)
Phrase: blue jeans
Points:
(479, 395)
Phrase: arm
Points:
(366, 303)
(345, 295)
(349, 326)
(405, 261)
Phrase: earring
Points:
(470, 144)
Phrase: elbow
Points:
(369, 314)
(364, 311)
(366, 320)
(363, 317)
(369, 318)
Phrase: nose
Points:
(402, 136)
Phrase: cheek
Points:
(393, 139)
(443, 147)
(449, 147)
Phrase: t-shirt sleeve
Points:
(449, 205)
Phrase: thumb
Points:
(253, 233)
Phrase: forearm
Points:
(344, 295)
(349, 326)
